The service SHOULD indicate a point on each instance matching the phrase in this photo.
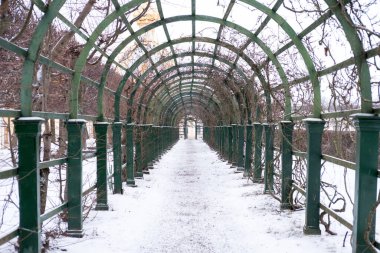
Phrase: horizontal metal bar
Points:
(52, 163)
(299, 153)
(336, 216)
(54, 211)
(88, 155)
(328, 210)
(9, 235)
(4, 174)
(86, 192)
(338, 161)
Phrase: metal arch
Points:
(174, 76)
(208, 40)
(206, 55)
(187, 39)
(358, 51)
(80, 62)
(163, 114)
(33, 52)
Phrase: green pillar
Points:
(234, 145)
(116, 143)
(257, 170)
(286, 163)
(196, 130)
(367, 144)
(314, 128)
(240, 149)
(268, 172)
(230, 144)
(185, 129)
(28, 130)
(101, 129)
(138, 163)
(150, 151)
(74, 177)
(130, 168)
(248, 151)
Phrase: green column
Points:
(28, 130)
(101, 129)
(240, 150)
(248, 151)
(150, 151)
(257, 170)
(74, 177)
(314, 128)
(234, 145)
(130, 168)
(196, 130)
(367, 144)
(268, 172)
(138, 162)
(230, 144)
(286, 162)
(185, 129)
(116, 143)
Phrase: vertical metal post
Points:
(240, 150)
(196, 130)
(257, 171)
(314, 128)
(367, 144)
(286, 163)
(130, 168)
(248, 151)
(138, 161)
(268, 172)
(28, 130)
(230, 143)
(234, 145)
(116, 143)
(74, 177)
(101, 129)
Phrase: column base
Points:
(268, 191)
(246, 174)
(75, 233)
(311, 230)
(121, 191)
(240, 169)
(131, 183)
(101, 207)
(139, 175)
(146, 172)
(258, 180)
(286, 206)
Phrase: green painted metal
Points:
(101, 129)
(367, 139)
(130, 155)
(248, 151)
(286, 162)
(117, 153)
(257, 169)
(33, 52)
(138, 152)
(358, 51)
(54, 211)
(240, 149)
(4, 174)
(74, 177)
(268, 167)
(28, 131)
(7, 236)
(314, 129)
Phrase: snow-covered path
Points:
(193, 202)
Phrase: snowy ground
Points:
(193, 202)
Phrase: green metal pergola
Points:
(168, 91)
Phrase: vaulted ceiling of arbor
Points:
(221, 61)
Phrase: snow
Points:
(194, 202)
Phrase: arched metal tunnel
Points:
(245, 100)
